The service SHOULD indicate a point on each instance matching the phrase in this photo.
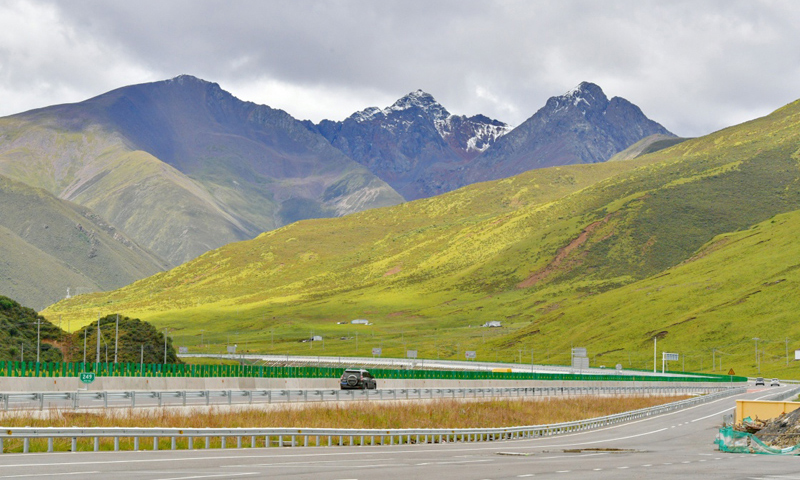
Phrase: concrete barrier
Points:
(70, 384)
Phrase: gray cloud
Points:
(693, 66)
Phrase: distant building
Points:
(493, 323)
(360, 321)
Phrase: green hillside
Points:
(19, 327)
(131, 339)
(50, 245)
(554, 254)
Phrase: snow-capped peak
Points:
(586, 93)
(481, 131)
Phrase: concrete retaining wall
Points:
(70, 384)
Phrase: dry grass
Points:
(436, 414)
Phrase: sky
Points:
(694, 66)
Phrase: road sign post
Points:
(87, 377)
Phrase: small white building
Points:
(360, 321)
(493, 323)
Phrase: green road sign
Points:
(87, 377)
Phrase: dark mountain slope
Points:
(183, 166)
(581, 126)
(415, 145)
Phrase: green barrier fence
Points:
(73, 369)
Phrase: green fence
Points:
(69, 369)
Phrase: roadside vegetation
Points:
(435, 414)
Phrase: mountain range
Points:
(422, 150)
(693, 245)
(176, 168)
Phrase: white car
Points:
(775, 383)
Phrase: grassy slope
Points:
(132, 189)
(50, 245)
(427, 270)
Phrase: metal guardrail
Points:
(282, 437)
(132, 399)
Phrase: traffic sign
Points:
(731, 372)
(376, 351)
(87, 377)
(411, 354)
(469, 354)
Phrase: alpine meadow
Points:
(694, 244)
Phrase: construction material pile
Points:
(782, 431)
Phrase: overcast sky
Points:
(694, 66)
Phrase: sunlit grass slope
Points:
(555, 254)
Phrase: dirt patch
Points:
(606, 450)
(393, 270)
(562, 255)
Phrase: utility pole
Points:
(116, 340)
(84, 344)
(655, 342)
(38, 337)
(201, 337)
(757, 363)
(97, 357)
(166, 331)
(787, 352)
(22, 353)
(141, 360)
(713, 359)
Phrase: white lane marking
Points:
(714, 414)
(622, 468)
(46, 474)
(211, 476)
(563, 471)
(647, 465)
(462, 462)
(526, 475)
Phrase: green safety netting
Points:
(734, 441)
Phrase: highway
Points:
(675, 445)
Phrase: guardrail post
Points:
(183, 397)
(41, 401)
(190, 443)
(96, 444)
(173, 443)
(74, 445)
(26, 444)
(155, 443)
(105, 399)
(208, 397)
(230, 397)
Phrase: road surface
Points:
(675, 445)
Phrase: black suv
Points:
(357, 378)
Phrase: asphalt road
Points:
(675, 445)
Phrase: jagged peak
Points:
(421, 99)
(584, 95)
(186, 78)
